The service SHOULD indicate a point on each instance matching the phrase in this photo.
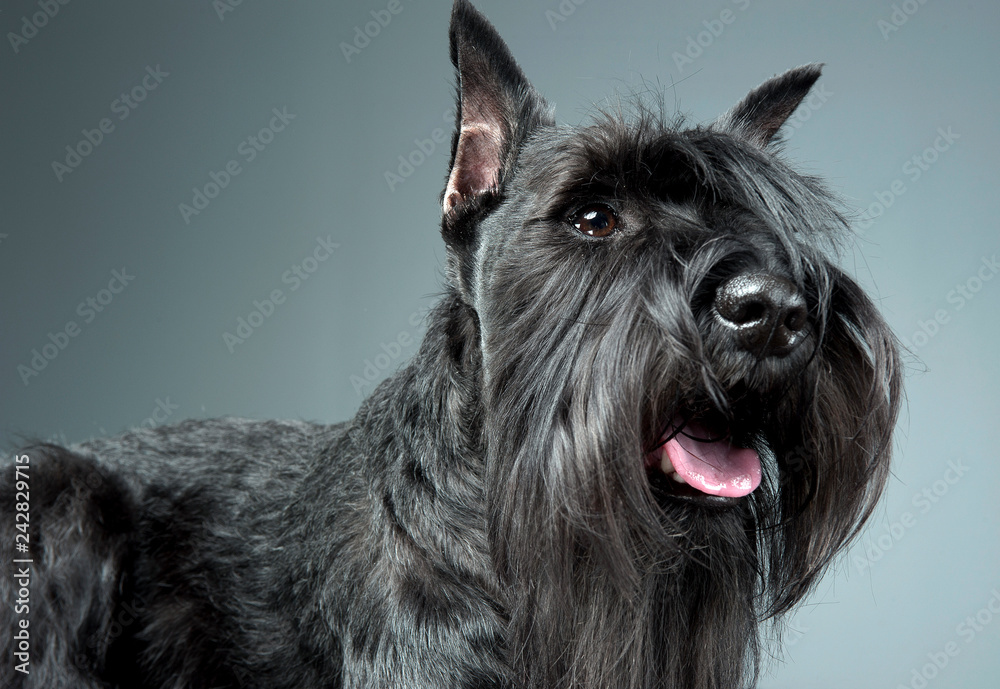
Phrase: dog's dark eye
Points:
(596, 220)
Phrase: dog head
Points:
(687, 407)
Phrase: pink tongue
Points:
(714, 467)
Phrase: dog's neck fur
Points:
(426, 423)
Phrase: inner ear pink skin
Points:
(477, 164)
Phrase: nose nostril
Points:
(749, 312)
(796, 319)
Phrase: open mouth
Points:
(698, 458)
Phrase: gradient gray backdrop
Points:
(156, 352)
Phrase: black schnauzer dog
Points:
(648, 412)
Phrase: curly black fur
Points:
(487, 520)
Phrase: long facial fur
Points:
(589, 346)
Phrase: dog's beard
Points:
(678, 615)
(615, 579)
(604, 598)
(613, 584)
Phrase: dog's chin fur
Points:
(490, 519)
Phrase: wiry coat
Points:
(487, 520)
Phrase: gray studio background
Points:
(916, 603)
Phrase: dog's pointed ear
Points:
(759, 116)
(497, 108)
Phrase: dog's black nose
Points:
(765, 314)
